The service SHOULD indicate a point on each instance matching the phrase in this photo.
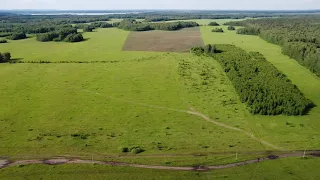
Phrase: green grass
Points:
(187, 160)
(305, 132)
(286, 169)
(102, 45)
(40, 117)
(117, 104)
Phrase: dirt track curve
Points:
(191, 112)
(6, 163)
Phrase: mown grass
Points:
(286, 169)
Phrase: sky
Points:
(162, 4)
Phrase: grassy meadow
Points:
(138, 103)
(127, 98)
(101, 45)
(304, 130)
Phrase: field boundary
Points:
(59, 161)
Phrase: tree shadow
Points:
(309, 108)
(217, 51)
(15, 60)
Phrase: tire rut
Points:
(7, 163)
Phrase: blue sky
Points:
(162, 4)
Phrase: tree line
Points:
(133, 25)
(176, 15)
(65, 34)
(263, 88)
(299, 37)
(90, 27)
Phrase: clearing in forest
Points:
(164, 41)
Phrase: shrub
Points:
(3, 41)
(197, 51)
(17, 36)
(124, 149)
(213, 24)
(231, 28)
(220, 30)
(74, 38)
(249, 31)
(135, 149)
(210, 49)
(46, 37)
(5, 57)
(88, 29)
(115, 24)
(5, 34)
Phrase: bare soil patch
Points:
(164, 41)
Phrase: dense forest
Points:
(298, 36)
(157, 16)
(260, 85)
(133, 25)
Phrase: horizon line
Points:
(147, 9)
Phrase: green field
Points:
(102, 45)
(64, 95)
(122, 99)
(287, 169)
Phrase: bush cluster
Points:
(132, 149)
(249, 31)
(3, 41)
(231, 28)
(213, 24)
(17, 36)
(65, 34)
(219, 30)
(5, 57)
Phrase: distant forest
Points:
(298, 36)
(133, 25)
